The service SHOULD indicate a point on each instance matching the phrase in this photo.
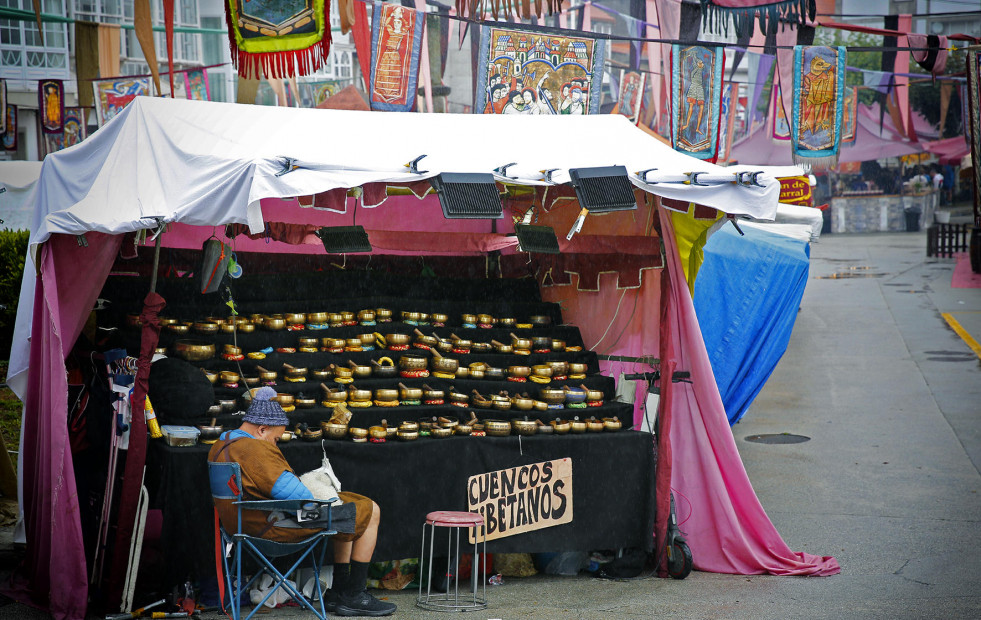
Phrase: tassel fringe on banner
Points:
(279, 64)
(716, 18)
(477, 9)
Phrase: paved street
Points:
(889, 482)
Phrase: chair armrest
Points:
(286, 505)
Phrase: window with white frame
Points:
(22, 54)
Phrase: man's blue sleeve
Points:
(288, 486)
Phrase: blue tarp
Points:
(747, 294)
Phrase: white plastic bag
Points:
(322, 482)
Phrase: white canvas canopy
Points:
(18, 179)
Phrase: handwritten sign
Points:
(795, 190)
(521, 499)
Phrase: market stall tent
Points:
(208, 164)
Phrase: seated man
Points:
(267, 475)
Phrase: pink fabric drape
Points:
(55, 567)
(728, 530)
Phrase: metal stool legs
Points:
(451, 600)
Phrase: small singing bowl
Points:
(577, 426)
(267, 375)
(304, 402)
(494, 373)
(612, 424)
(383, 372)
(558, 345)
(284, 400)
(541, 342)
(214, 410)
(540, 320)
(593, 395)
(433, 394)
(462, 372)
(292, 372)
(306, 341)
(445, 346)
(367, 340)
(357, 432)
(552, 395)
(497, 428)
(457, 397)
(335, 318)
(482, 347)
(366, 315)
(358, 395)
(577, 368)
(217, 319)
(462, 343)
(500, 347)
(559, 367)
(594, 426)
(211, 375)
(227, 404)
(410, 316)
(413, 362)
(333, 343)
(320, 374)
(539, 405)
(542, 370)
(165, 320)
(522, 403)
(313, 434)
(360, 371)
(445, 364)
(476, 374)
(230, 349)
(227, 328)
(286, 436)
(257, 319)
(440, 432)
(520, 343)
(524, 427)
(519, 371)
(409, 425)
(317, 317)
(501, 404)
(205, 327)
(228, 376)
(561, 427)
(160, 351)
(439, 317)
(333, 430)
(354, 343)
(429, 341)
(575, 395)
(463, 429)
(407, 435)
(335, 396)
(544, 429)
(397, 339)
(409, 393)
(250, 381)
(296, 318)
(377, 432)
(347, 316)
(423, 317)
(468, 318)
(386, 394)
(485, 319)
(383, 313)
(179, 328)
(273, 323)
(245, 328)
(506, 321)
(342, 372)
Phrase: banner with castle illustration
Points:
(696, 99)
(531, 70)
(818, 101)
(396, 40)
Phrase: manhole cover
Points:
(773, 438)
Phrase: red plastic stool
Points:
(451, 599)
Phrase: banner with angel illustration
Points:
(111, 96)
(818, 101)
(696, 99)
(535, 70)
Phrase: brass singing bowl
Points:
(354, 343)
(384, 372)
(501, 404)
(407, 435)
(540, 405)
(257, 318)
(335, 318)
(524, 427)
(462, 372)
(500, 347)
(432, 394)
(397, 339)
(577, 426)
(592, 394)
(409, 393)
(227, 404)
(444, 345)
(612, 424)
(481, 347)
(286, 436)
(160, 351)
(304, 402)
(366, 339)
(540, 319)
(164, 320)
(559, 367)
(494, 373)
(306, 341)
(410, 316)
(230, 349)
(440, 432)
(520, 343)
(463, 429)
(412, 362)
(357, 394)
(468, 318)
(333, 343)
(227, 328)
(179, 328)
(522, 403)
(320, 374)
(386, 394)
(357, 433)
(360, 371)
(506, 321)
(552, 395)
(341, 372)
(541, 342)
(273, 323)
(519, 371)
(293, 372)
(457, 397)
(497, 428)
(267, 375)
(296, 318)
(542, 370)
(558, 345)
(214, 410)
(445, 364)
(313, 434)
(460, 343)
(439, 317)
(577, 368)
(317, 317)
(284, 400)
(229, 376)
(409, 425)
(544, 429)
(383, 313)
(205, 327)
(574, 395)
(594, 426)
(335, 396)
(347, 316)
(486, 319)
(250, 381)
(217, 319)
(333, 430)
(561, 427)
(377, 432)
(429, 341)
(366, 315)
(210, 374)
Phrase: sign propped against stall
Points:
(795, 191)
(521, 499)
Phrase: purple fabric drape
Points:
(54, 573)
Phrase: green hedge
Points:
(13, 250)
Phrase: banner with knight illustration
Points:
(396, 41)
(530, 70)
(696, 99)
(818, 101)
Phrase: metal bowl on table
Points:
(333, 343)
(211, 375)
(520, 343)
(468, 318)
(407, 435)
(320, 374)
(494, 373)
(558, 345)
(458, 397)
(577, 368)
(361, 371)
(431, 393)
(577, 425)
(335, 318)
(194, 350)
(347, 316)
(333, 430)
(334, 395)
(413, 362)
(506, 321)
(166, 320)
(485, 319)
(266, 375)
(358, 395)
(296, 318)
(592, 395)
(540, 320)
(440, 432)
(250, 380)
(377, 432)
(341, 372)
(366, 316)
(227, 404)
(612, 424)
(357, 433)
(205, 327)
(524, 427)
(384, 368)
(439, 317)
(522, 402)
(444, 364)
(367, 340)
(230, 349)
(409, 393)
(229, 376)
(317, 317)
(574, 395)
(594, 426)
(552, 395)
(219, 320)
(273, 323)
(284, 400)
(383, 313)
(215, 410)
(304, 402)
(181, 329)
(519, 371)
(541, 342)
(307, 341)
(481, 347)
(461, 344)
(421, 338)
(561, 427)
(386, 395)
(411, 316)
(497, 428)
(541, 370)
(559, 367)
(397, 340)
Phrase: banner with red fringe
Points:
(278, 38)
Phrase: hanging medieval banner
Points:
(849, 120)
(278, 38)
(313, 94)
(196, 85)
(696, 99)
(743, 14)
(538, 71)
(727, 124)
(74, 126)
(51, 105)
(111, 96)
(780, 127)
(631, 95)
(396, 41)
(9, 137)
(819, 94)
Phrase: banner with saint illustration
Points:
(8, 139)
(196, 85)
(849, 121)
(533, 70)
(727, 124)
(631, 95)
(74, 126)
(51, 105)
(396, 41)
(780, 126)
(278, 38)
(111, 96)
(818, 101)
(696, 99)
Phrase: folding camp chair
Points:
(226, 484)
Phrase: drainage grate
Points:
(775, 438)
